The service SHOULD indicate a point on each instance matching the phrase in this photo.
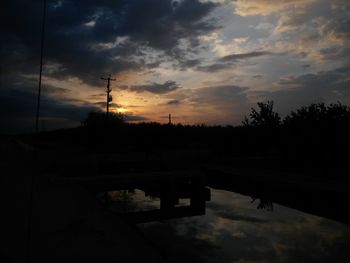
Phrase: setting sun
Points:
(121, 110)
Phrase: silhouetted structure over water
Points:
(169, 187)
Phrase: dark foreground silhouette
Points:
(312, 141)
(300, 162)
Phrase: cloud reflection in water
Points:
(233, 230)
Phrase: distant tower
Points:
(108, 91)
(169, 119)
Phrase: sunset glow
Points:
(203, 61)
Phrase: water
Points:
(234, 230)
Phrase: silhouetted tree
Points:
(319, 115)
(97, 119)
(263, 117)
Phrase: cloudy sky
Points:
(203, 61)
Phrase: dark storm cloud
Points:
(230, 60)
(157, 88)
(76, 28)
(18, 107)
(162, 24)
(87, 39)
(173, 102)
(235, 57)
(214, 67)
(325, 86)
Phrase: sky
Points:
(203, 61)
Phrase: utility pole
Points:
(28, 256)
(169, 117)
(43, 25)
(108, 91)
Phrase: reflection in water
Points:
(140, 208)
(264, 204)
(233, 230)
(126, 201)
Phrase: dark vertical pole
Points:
(169, 118)
(34, 168)
(41, 67)
(108, 91)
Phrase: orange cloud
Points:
(267, 7)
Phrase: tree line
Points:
(313, 139)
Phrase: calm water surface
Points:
(234, 230)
